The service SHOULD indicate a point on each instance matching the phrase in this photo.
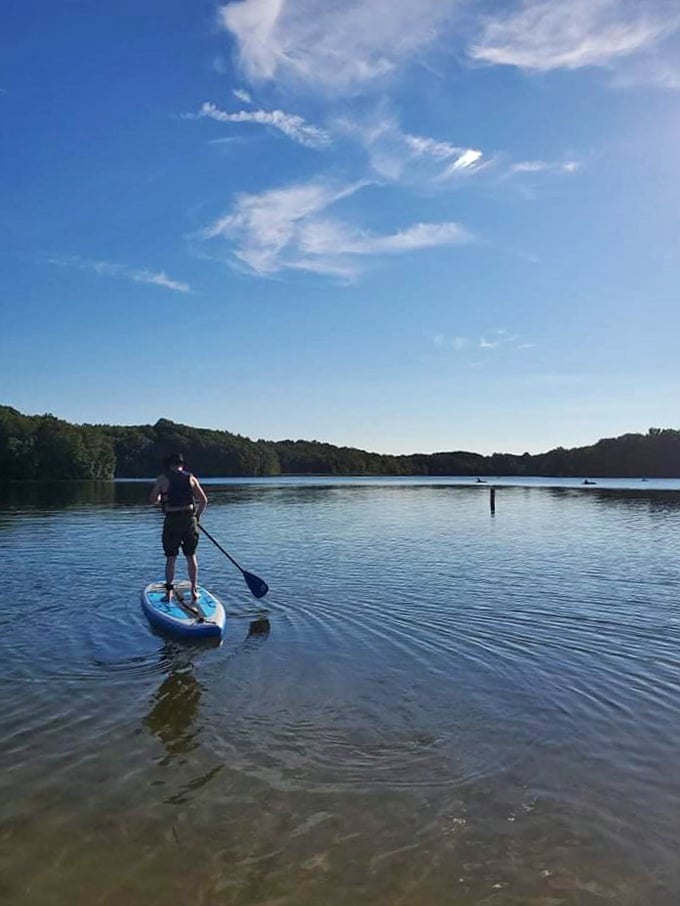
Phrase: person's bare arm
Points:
(160, 488)
(200, 496)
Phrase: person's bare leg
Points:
(192, 568)
(169, 575)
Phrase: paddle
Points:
(193, 609)
(258, 586)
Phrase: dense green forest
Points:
(42, 446)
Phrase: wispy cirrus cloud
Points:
(468, 161)
(491, 340)
(455, 343)
(456, 159)
(545, 166)
(409, 159)
(542, 35)
(660, 71)
(422, 161)
(121, 271)
(344, 48)
(330, 46)
(496, 338)
(291, 125)
(340, 48)
(292, 229)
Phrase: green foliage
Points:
(42, 446)
(45, 447)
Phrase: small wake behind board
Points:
(179, 619)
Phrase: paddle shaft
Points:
(218, 545)
(257, 586)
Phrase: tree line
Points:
(45, 447)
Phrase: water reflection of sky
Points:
(430, 694)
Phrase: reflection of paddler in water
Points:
(175, 709)
(173, 715)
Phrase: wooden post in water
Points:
(492, 501)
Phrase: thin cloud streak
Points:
(121, 271)
(345, 241)
(421, 146)
(467, 159)
(242, 95)
(401, 157)
(542, 35)
(499, 338)
(470, 161)
(291, 228)
(543, 166)
(291, 125)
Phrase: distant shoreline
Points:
(489, 480)
(44, 447)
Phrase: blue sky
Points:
(442, 225)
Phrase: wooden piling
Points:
(492, 500)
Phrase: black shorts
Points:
(180, 530)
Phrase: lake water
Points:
(433, 705)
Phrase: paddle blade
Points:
(258, 586)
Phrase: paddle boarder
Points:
(183, 500)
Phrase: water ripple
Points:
(515, 679)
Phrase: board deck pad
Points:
(173, 616)
(206, 601)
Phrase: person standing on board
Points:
(183, 500)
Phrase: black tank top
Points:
(180, 493)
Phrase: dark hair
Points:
(174, 459)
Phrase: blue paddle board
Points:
(177, 619)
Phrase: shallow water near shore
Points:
(432, 705)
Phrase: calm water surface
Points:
(432, 705)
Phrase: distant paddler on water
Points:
(183, 501)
